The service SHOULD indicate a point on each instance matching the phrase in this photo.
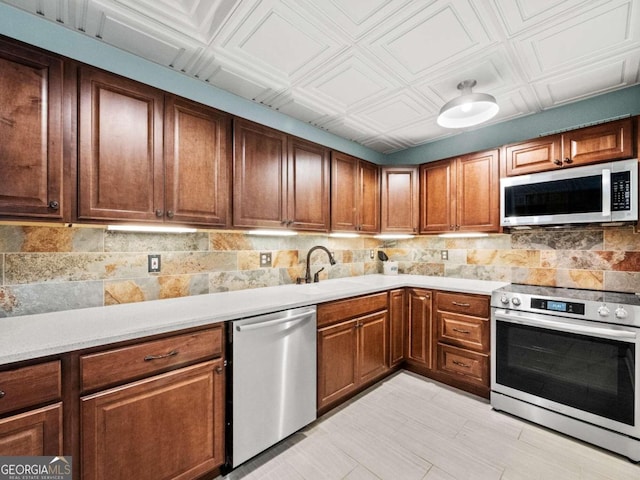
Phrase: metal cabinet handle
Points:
(458, 304)
(170, 213)
(159, 213)
(54, 205)
(149, 358)
(461, 331)
(460, 364)
(2, 393)
(557, 161)
(219, 370)
(568, 160)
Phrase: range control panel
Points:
(557, 306)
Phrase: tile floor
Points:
(411, 428)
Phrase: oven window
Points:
(557, 197)
(591, 374)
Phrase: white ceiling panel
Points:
(375, 71)
(576, 85)
(583, 39)
(523, 14)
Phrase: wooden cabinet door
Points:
(534, 156)
(609, 141)
(197, 153)
(169, 426)
(344, 192)
(308, 166)
(419, 316)
(120, 147)
(400, 200)
(259, 176)
(373, 346)
(397, 325)
(369, 197)
(355, 194)
(33, 433)
(437, 196)
(478, 194)
(30, 133)
(337, 362)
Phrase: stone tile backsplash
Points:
(45, 269)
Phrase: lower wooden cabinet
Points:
(397, 326)
(463, 340)
(353, 347)
(32, 412)
(33, 433)
(419, 317)
(170, 426)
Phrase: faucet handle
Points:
(316, 277)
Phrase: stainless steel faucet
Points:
(307, 273)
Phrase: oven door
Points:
(585, 370)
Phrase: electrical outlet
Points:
(154, 263)
(444, 254)
(265, 259)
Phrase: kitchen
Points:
(50, 268)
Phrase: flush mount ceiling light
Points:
(468, 109)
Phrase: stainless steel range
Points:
(568, 359)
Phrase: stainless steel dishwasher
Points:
(273, 379)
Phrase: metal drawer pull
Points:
(2, 393)
(218, 370)
(458, 304)
(149, 358)
(461, 331)
(460, 364)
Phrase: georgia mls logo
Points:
(35, 468)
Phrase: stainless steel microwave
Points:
(605, 192)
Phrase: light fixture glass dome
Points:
(468, 109)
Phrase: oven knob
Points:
(621, 312)
(603, 311)
(516, 301)
(504, 300)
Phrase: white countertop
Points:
(42, 335)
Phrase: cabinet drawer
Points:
(477, 305)
(145, 359)
(474, 367)
(28, 386)
(332, 312)
(464, 331)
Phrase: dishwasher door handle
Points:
(271, 323)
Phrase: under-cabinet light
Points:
(273, 233)
(149, 229)
(393, 236)
(463, 235)
(344, 235)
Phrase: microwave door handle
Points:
(606, 192)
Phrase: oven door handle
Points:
(607, 333)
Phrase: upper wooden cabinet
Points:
(355, 194)
(126, 138)
(31, 133)
(308, 184)
(279, 181)
(400, 200)
(461, 194)
(197, 146)
(120, 146)
(609, 141)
